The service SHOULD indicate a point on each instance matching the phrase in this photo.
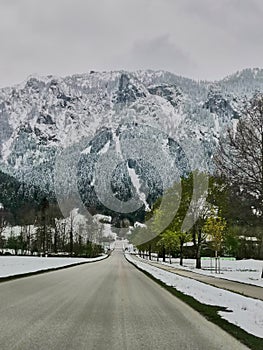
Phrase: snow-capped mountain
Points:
(144, 126)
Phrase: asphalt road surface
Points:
(103, 305)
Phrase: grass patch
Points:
(211, 314)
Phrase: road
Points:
(101, 306)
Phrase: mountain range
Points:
(129, 133)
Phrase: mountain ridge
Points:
(42, 117)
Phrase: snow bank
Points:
(17, 265)
(247, 313)
(245, 271)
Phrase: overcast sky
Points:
(203, 39)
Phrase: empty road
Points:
(101, 306)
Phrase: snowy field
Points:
(247, 313)
(245, 271)
(16, 265)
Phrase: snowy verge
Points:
(244, 312)
(245, 271)
(11, 266)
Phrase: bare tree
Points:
(71, 231)
(2, 238)
(60, 235)
(240, 155)
(4, 218)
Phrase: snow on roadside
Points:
(247, 313)
(17, 265)
(245, 271)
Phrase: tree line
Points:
(43, 231)
(229, 214)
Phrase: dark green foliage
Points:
(20, 199)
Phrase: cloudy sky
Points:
(203, 39)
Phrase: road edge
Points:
(52, 269)
(209, 312)
(210, 284)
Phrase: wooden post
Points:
(216, 261)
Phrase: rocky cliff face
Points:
(147, 128)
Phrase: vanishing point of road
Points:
(106, 305)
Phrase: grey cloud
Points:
(233, 17)
(204, 39)
(160, 53)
